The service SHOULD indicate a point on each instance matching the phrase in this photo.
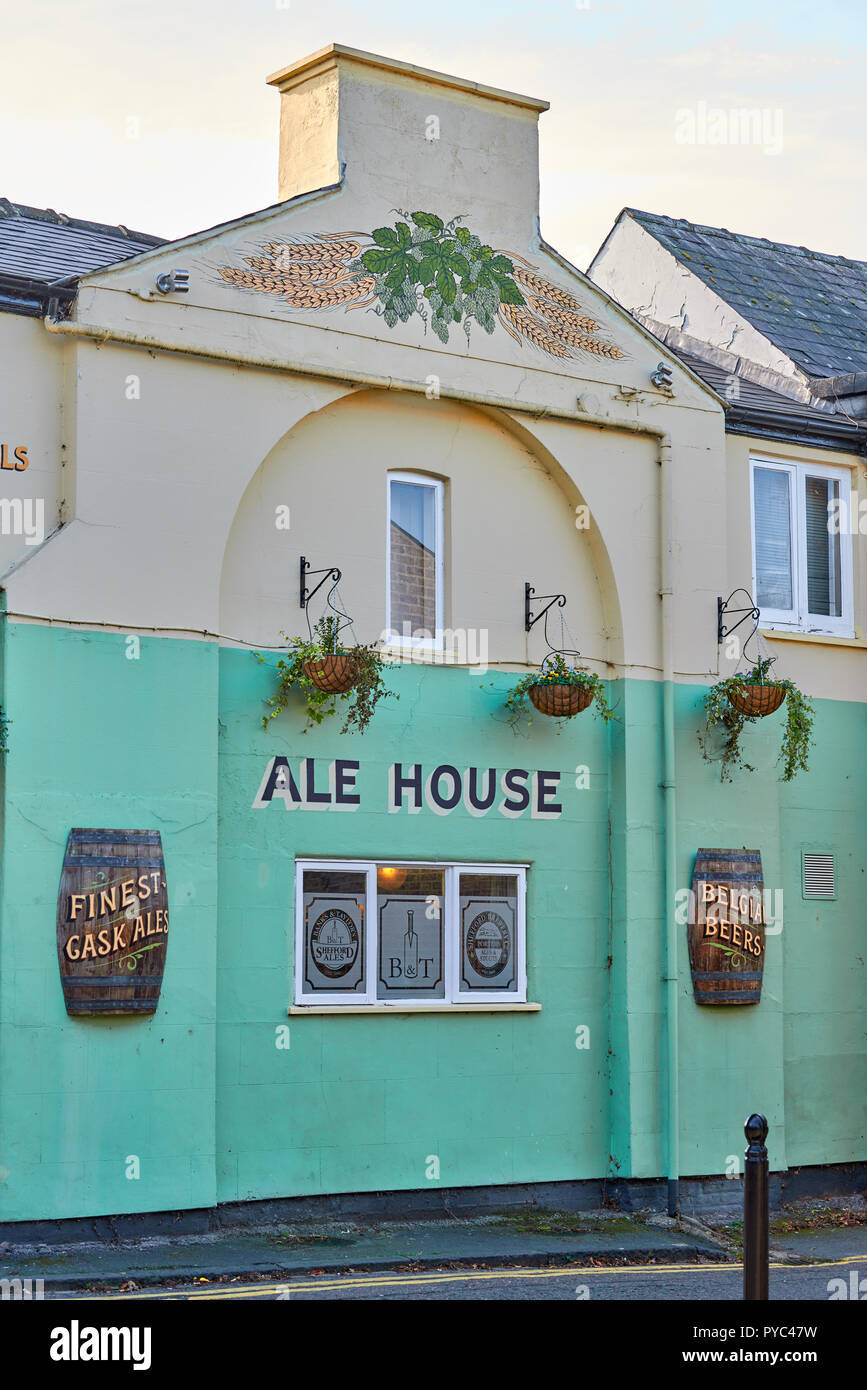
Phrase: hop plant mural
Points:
(438, 270)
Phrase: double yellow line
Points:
(333, 1284)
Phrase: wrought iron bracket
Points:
(723, 610)
(329, 572)
(531, 597)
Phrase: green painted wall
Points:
(100, 740)
(363, 1102)
(824, 948)
(800, 1056)
(201, 1093)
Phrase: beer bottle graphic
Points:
(410, 950)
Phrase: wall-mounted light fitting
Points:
(174, 282)
(662, 378)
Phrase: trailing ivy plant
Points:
(723, 719)
(555, 672)
(368, 689)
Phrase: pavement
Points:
(823, 1243)
(329, 1247)
(528, 1240)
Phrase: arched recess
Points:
(593, 532)
(510, 518)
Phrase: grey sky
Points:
(156, 115)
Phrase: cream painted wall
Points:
(157, 483)
(152, 486)
(30, 416)
(649, 281)
(309, 156)
(619, 477)
(484, 169)
(220, 317)
(507, 521)
(164, 446)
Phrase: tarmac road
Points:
(625, 1283)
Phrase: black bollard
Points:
(756, 1210)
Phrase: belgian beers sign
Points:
(112, 921)
(727, 926)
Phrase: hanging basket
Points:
(559, 699)
(757, 700)
(335, 673)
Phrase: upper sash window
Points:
(802, 549)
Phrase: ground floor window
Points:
(393, 932)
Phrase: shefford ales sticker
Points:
(334, 943)
(334, 939)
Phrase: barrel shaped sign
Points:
(727, 926)
(112, 921)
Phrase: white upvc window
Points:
(802, 554)
(414, 561)
(409, 934)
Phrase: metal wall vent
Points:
(819, 876)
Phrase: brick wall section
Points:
(413, 582)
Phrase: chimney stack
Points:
(401, 135)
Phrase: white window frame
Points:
(398, 640)
(453, 937)
(453, 995)
(798, 619)
(321, 996)
(777, 617)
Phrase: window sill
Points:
(515, 1008)
(424, 653)
(823, 639)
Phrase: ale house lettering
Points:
(112, 921)
(727, 926)
(412, 787)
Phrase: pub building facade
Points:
(241, 963)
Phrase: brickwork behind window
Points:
(413, 583)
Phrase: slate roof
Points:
(759, 410)
(811, 305)
(42, 250)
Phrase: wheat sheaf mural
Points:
(438, 270)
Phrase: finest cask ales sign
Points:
(727, 926)
(112, 921)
